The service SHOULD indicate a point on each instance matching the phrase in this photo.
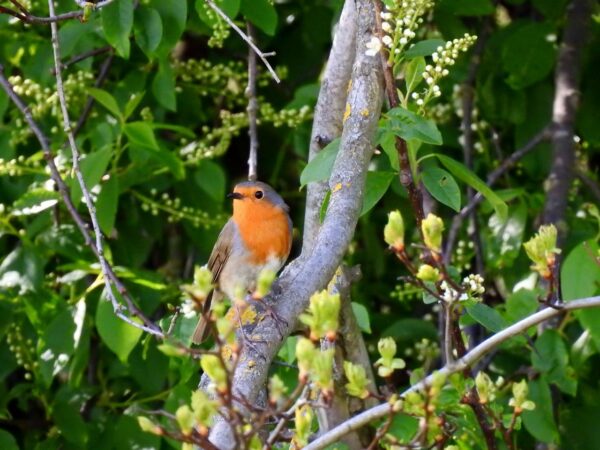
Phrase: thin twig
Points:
(491, 179)
(25, 16)
(252, 108)
(85, 55)
(261, 55)
(467, 360)
(277, 430)
(107, 272)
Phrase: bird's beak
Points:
(235, 195)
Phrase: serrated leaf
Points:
(408, 126)
(261, 13)
(148, 29)
(107, 205)
(527, 55)
(140, 134)
(106, 100)
(319, 168)
(461, 172)
(376, 186)
(486, 316)
(163, 86)
(119, 336)
(362, 317)
(442, 186)
(424, 48)
(413, 74)
(117, 21)
(92, 167)
(34, 202)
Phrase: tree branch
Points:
(238, 30)
(315, 267)
(566, 101)
(329, 112)
(466, 361)
(25, 16)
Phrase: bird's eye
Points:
(258, 194)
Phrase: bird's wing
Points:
(216, 262)
(221, 250)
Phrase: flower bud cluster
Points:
(176, 211)
(473, 285)
(400, 20)
(542, 250)
(444, 57)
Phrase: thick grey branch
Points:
(329, 112)
(566, 100)
(312, 271)
(466, 361)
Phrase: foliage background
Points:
(165, 141)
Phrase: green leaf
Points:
(107, 205)
(468, 7)
(362, 317)
(106, 100)
(140, 134)
(507, 235)
(376, 186)
(486, 316)
(461, 172)
(69, 421)
(163, 86)
(23, 268)
(408, 125)
(132, 104)
(404, 427)
(424, 48)
(319, 168)
(210, 177)
(540, 421)
(174, 17)
(527, 55)
(117, 21)
(387, 141)
(34, 202)
(119, 336)
(580, 278)
(550, 357)
(229, 7)
(442, 187)
(261, 13)
(7, 441)
(69, 36)
(413, 74)
(148, 29)
(520, 304)
(57, 345)
(92, 167)
(128, 435)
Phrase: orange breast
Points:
(265, 230)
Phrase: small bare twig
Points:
(85, 55)
(25, 16)
(107, 272)
(259, 53)
(491, 179)
(252, 108)
(466, 361)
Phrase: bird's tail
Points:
(202, 329)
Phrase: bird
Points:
(257, 236)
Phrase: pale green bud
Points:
(322, 370)
(432, 227)
(485, 387)
(204, 408)
(519, 399)
(428, 273)
(541, 249)
(277, 390)
(212, 366)
(303, 419)
(357, 380)
(393, 232)
(387, 363)
(264, 283)
(203, 281)
(322, 316)
(305, 351)
(185, 419)
(148, 426)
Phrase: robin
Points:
(257, 236)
